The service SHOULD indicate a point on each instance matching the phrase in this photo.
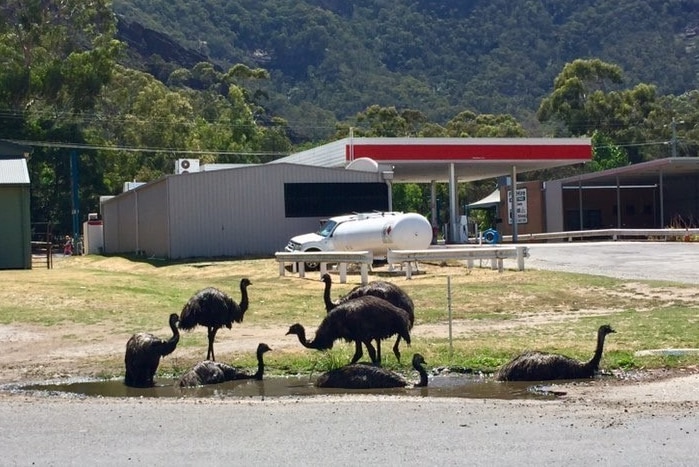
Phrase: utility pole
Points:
(673, 125)
(674, 137)
(75, 200)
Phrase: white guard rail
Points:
(615, 234)
(496, 254)
(341, 258)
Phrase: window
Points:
(332, 199)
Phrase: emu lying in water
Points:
(362, 376)
(143, 352)
(540, 366)
(210, 372)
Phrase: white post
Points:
(451, 348)
(520, 258)
(365, 273)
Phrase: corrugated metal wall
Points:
(153, 219)
(240, 212)
(15, 217)
(15, 227)
(136, 221)
(120, 228)
(235, 212)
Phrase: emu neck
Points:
(329, 304)
(423, 376)
(175, 331)
(301, 334)
(170, 345)
(243, 298)
(593, 364)
(314, 344)
(260, 366)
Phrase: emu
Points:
(382, 289)
(210, 372)
(541, 366)
(143, 352)
(362, 376)
(214, 309)
(360, 320)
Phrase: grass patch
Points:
(498, 314)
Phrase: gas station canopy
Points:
(421, 160)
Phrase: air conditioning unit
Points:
(183, 166)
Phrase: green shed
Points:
(15, 222)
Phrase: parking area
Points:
(671, 261)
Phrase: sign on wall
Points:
(520, 205)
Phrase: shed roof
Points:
(636, 174)
(14, 172)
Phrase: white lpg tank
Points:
(380, 232)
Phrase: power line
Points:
(152, 150)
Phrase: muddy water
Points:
(464, 386)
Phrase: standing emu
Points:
(209, 372)
(214, 309)
(143, 352)
(361, 376)
(360, 320)
(540, 366)
(382, 289)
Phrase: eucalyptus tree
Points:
(588, 96)
(56, 56)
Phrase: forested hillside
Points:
(330, 59)
(126, 87)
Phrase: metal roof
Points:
(636, 174)
(14, 172)
(430, 159)
(328, 155)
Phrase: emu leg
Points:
(372, 353)
(357, 352)
(396, 351)
(210, 351)
(378, 351)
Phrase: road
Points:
(672, 261)
(351, 431)
(650, 423)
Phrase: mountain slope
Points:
(331, 58)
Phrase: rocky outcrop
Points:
(146, 42)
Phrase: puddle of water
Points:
(462, 386)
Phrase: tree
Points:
(388, 122)
(56, 58)
(583, 101)
(605, 154)
(469, 124)
(579, 83)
